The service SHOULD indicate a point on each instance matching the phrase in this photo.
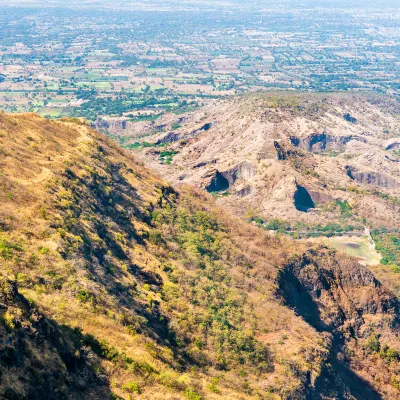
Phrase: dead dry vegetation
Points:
(116, 285)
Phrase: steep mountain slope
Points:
(116, 285)
(291, 156)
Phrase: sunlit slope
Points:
(130, 289)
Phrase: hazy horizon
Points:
(213, 3)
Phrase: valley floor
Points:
(355, 246)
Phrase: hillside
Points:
(114, 284)
(305, 164)
(284, 154)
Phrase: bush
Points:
(388, 354)
(373, 345)
(8, 249)
(132, 387)
(213, 385)
(8, 321)
(84, 296)
(395, 381)
(191, 394)
(170, 380)
(44, 250)
(155, 238)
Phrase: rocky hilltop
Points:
(115, 284)
(290, 156)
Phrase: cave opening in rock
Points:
(302, 199)
(207, 126)
(218, 183)
(349, 118)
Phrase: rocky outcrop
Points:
(333, 292)
(317, 142)
(244, 191)
(376, 179)
(283, 152)
(216, 182)
(103, 124)
(244, 171)
(173, 136)
(206, 126)
(204, 163)
(393, 146)
(170, 137)
(338, 296)
(320, 197)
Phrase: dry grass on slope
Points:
(159, 292)
(172, 298)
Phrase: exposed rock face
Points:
(169, 138)
(317, 142)
(244, 171)
(372, 178)
(204, 163)
(173, 136)
(252, 141)
(393, 146)
(340, 297)
(244, 191)
(320, 197)
(101, 124)
(217, 183)
(206, 126)
(110, 124)
(333, 291)
(283, 152)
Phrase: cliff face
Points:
(116, 285)
(342, 299)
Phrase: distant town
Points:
(140, 63)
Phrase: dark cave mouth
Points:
(302, 199)
(218, 183)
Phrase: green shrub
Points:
(373, 345)
(44, 250)
(345, 208)
(132, 387)
(395, 381)
(213, 385)
(388, 354)
(8, 249)
(84, 296)
(155, 238)
(170, 380)
(8, 321)
(191, 394)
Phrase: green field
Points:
(97, 85)
(90, 76)
(50, 112)
(158, 70)
(354, 246)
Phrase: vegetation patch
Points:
(388, 244)
(299, 230)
